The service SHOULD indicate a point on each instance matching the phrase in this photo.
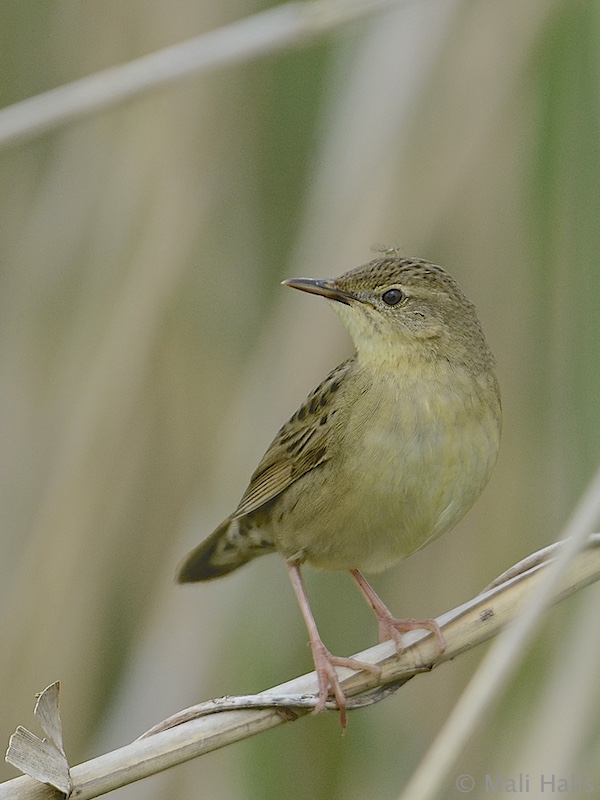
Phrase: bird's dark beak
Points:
(326, 289)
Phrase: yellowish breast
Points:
(408, 459)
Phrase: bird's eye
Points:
(392, 297)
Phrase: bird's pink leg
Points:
(389, 626)
(325, 662)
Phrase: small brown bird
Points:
(386, 454)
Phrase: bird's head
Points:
(396, 306)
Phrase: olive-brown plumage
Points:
(386, 454)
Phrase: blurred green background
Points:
(148, 355)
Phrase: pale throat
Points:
(385, 348)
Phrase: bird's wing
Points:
(300, 445)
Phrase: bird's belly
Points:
(400, 482)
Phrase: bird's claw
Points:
(392, 628)
(328, 678)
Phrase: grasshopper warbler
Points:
(387, 453)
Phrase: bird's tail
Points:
(232, 545)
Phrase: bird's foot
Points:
(325, 666)
(389, 626)
(392, 628)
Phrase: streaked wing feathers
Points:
(300, 445)
(264, 486)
